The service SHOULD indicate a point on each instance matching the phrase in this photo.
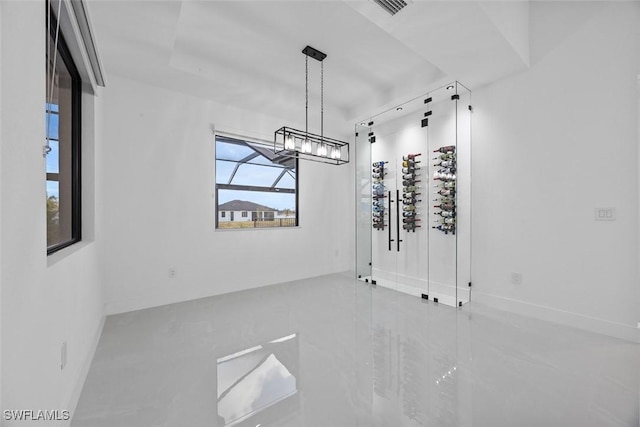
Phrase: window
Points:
(254, 181)
(62, 116)
(223, 214)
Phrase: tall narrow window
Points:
(257, 187)
(62, 117)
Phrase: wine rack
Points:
(445, 177)
(378, 209)
(414, 210)
(410, 192)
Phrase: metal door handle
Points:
(390, 239)
(398, 219)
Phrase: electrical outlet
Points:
(172, 273)
(516, 278)
(63, 355)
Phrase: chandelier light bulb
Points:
(289, 143)
(306, 146)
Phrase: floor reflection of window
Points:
(255, 379)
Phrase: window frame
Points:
(64, 54)
(267, 145)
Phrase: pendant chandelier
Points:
(301, 144)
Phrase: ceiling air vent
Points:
(391, 6)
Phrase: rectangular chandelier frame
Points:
(294, 143)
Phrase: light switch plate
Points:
(605, 214)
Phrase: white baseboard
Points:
(178, 295)
(141, 303)
(591, 324)
(72, 401)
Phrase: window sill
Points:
(224, 230)
(63, 253)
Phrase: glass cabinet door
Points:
(363, 206)
(463, 196)
(450, 194)
(404, 142)
(385, 241)
(443, 196)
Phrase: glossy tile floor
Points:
(333, 351)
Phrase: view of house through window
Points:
(62, 117)
(255, 188)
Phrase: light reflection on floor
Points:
(333, 351)
(253, 380)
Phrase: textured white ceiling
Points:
(248, 53)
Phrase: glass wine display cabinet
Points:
(413, 196)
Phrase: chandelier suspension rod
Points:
(306, 92)
(321, 100)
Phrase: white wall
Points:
(1, 94)
(158, 211)
(550, 145)
(45, 300)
